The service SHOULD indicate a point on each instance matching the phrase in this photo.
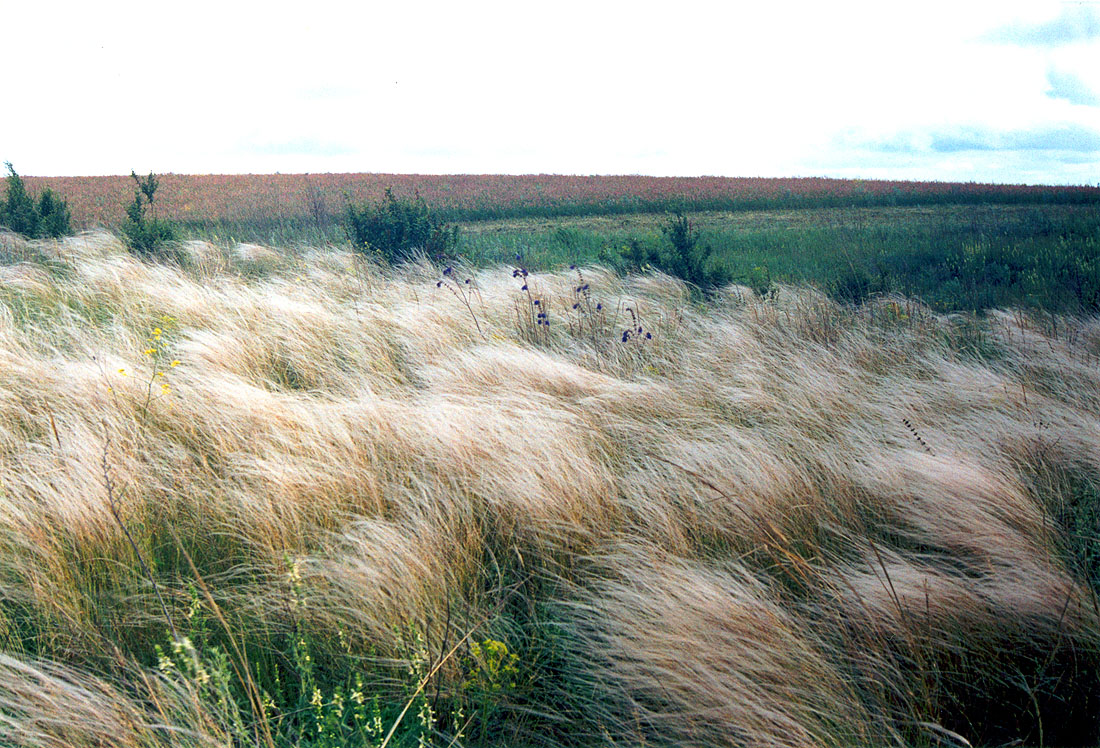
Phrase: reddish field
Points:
(275, 197)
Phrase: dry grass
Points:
(728, 534)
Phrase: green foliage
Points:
(759, 279)
(492, 666)
(851, 286)
(147, 235)
(49, 218)
(395, 229)
(54, 219)
(686, 258)
(18, 213)
(315, 688)
(952, 259)
(681, 254)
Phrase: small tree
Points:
(54, 218)
(51, 217)
(145, 233)
(394, 229)
(685, 257)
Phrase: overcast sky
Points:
(996, 91)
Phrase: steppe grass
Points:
(952, 257)
(378, 514)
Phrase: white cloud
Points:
(569, 87)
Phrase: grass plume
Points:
(727, 533)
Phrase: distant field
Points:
(952, 257)
(277, 203)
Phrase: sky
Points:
(1002, 91)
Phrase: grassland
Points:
(957, 247)
(274, 206)
(287, 497)
(954, 258)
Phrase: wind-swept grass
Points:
(372, 509)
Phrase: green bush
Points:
(146, 234)
(395, 229)
(759, 279)
(688, 259)
(49, 218)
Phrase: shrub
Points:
(686, 258)
(146, 234)
(50, 218)
(759, 279)
(394, 229)
(630, 257)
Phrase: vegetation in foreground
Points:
(268, 498)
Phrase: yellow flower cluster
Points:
(155, 350)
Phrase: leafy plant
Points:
(395, 229)
(146, 234)
(759, 279)
(683, 256)
(49, 218)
